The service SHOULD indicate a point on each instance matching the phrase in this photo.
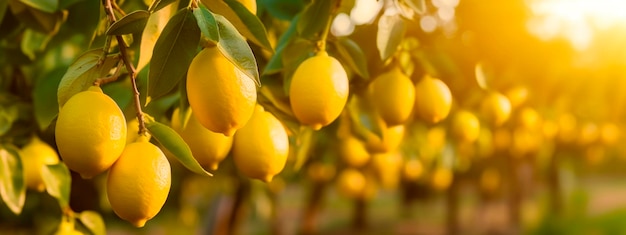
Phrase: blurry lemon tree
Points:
(364, 95)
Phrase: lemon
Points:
(90, 132)
(221, 96)
(35, 155)
(351, 183)
(139, 182)
(393, 96)
(609, 133)
(319, 90)
(433, 99)
(353, 153)
(465, 126)
(388, 167)
(391, 139)
(261, 147)
(529, 118)
(496, 108)
(132, 133)
(208, 148)
(442, 178)
(517, 95)
(413, 169)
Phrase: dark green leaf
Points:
(391, 30)
(3, 9)
(119, 92)
(276, 62)
(419, 6)
(83, 72)
(171, 141)
(281, 9)
(243, 20)
(159, 4)
(173, 53)
(12, 185)
(34, 42)
(134, 22)
(63, 4)
(36, 19)
(207, 24)
(93, 221)
(236, 49)
(45, 102)
(49, 6)
(350, 53)
(315, 18)
(58, 182)
(294, 54)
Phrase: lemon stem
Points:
(333, 11)
(132, 72)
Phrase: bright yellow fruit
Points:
(139, 182)
(351, 183)
(412, 169)
(132, 133)
(319, 90)
(221, 96)
(529, 118)
(517, 96)
(261, 147)
(90, 132)
(353, 153)
(609, 133)
(465, 126)
(388, 167)
(433, 99)
(393, 95)
(496, 108)
(391, 139)
(35, 155)
(209, 148)
(442, 178)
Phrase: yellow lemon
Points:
(139, 182)
(221, 96)
(465, 126)
(496, 108)
(35, 155)
(319, 90)
(90, 132)
(393, 96)
(433, 99)
(261, 147)
(517, 96)
(609, 133)
(412, 169)
(351, 183)
(132, 133)
(388, 167)
(391, 139)
(208, 148)
(529, 118)
(353, 153)
(442, 178)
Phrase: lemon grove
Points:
(125, 114)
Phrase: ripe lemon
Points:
(139, 182)
(496, 108)
(209, 148)
(391, 139)
(35, 155)
(393, 95)
(609, 133)
(529, 118)
(442, 178)
(433, 100)
(353, 153)
(517, 96)
(412, 169)
(351, 183)
(132, 133)
(465, 126)
(261, 147)
(90, 132)
(319, 90)
(221, 96)
(388, 167)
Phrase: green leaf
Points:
(45, 103)
(119, 92)
(64, 4)
(12, 185)
(243, 20)
(171, 141)
(235, 49)
(351, 54)
(364, 119)
(391, 30)
(173, 53)
(155, 25)
(159, 4)
(419, 6)
(294, 54)
(275, 64)
(281, 9)
(93, 221)
(34, 42)
(58, 182)
(49, 6)
(314, 19)
(36, 19)
(207, 24)
(134, 22)
(83, 72)
(304, 144)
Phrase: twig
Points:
(114, 77)
(108, 8)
